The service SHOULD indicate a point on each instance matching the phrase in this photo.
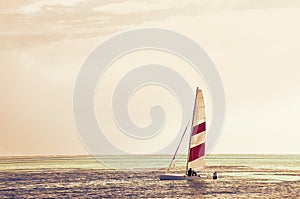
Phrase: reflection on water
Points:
(267, 176)
(82, 176)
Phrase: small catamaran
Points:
(196, 152)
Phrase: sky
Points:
(254, 46)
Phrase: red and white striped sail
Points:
(197, 140)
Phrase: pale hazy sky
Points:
(255, 47)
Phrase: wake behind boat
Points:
(195, 160)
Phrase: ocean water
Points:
(239, 176)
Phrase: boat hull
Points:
(179, 177)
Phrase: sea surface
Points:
(239, 176)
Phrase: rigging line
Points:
(174, 156)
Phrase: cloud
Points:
(40, 22)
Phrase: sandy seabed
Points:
(233, 182)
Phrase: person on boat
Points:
(194, 173)
(190, 171)
(215, 175)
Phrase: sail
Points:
(197, 140)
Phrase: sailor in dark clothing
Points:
(190, 171)
(194, 173)
(215, 175)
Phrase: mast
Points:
(187, 159)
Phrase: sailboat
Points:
(196, 152)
